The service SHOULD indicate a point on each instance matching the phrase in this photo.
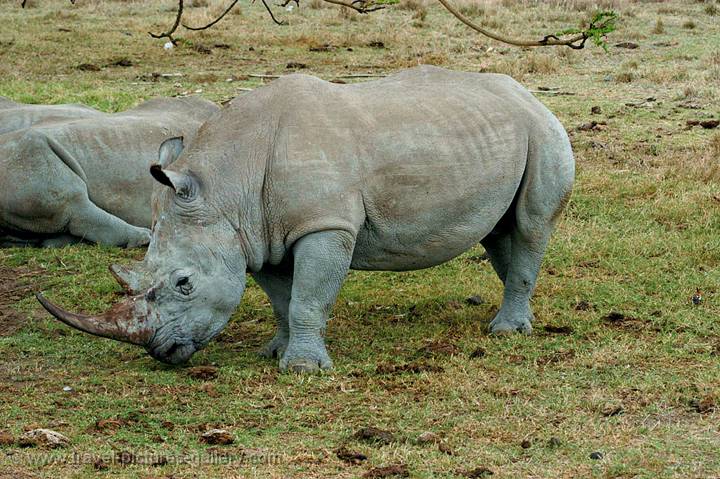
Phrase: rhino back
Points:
(18, 116)
(420, 165)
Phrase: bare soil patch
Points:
(16, 284)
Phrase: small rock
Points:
(427, 438)
(396, 470)
(168, 46)
(351, 457)
(478, 353)
(597, 455)
(6, 439)
(43, 437)
(474, 300)
(203, 373)
(526, 444)
(217, 437)
(68, 389)
(595, 110)
(374, 435)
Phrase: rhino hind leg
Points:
(498, 246)
(321, 263)
(543, 193)
(276, 281)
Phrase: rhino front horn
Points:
(122, 322)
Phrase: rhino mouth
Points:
(173, 353)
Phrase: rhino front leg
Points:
(276, 281)
(89, 222)
(322, 261)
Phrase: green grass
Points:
(641, 233)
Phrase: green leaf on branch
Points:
(602, 23)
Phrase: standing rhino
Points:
(302, 180)
(18, 116)
(86, 179)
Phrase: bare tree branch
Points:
(577, 42)
(267, 7)
(214, 21)
(360, 6)
(602, 23)
(169, 33)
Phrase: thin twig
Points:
(551, 93)
(214, 21)
(354, 5)
(169, 33)
(267, 7)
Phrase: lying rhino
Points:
(66, 181)
(18, 116)
(302, 180)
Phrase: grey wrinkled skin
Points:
(18, 116)
(85, 179)
(302, 180)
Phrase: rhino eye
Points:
(183, 285)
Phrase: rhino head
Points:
(192, 277)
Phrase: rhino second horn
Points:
(126, 278)
(121, 322)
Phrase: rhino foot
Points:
(304, 359)
(507, 324)
(275, 348)
(140, 237)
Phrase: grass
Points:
(641, 233)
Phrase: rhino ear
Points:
(170, 150)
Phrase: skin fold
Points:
(302, 180)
